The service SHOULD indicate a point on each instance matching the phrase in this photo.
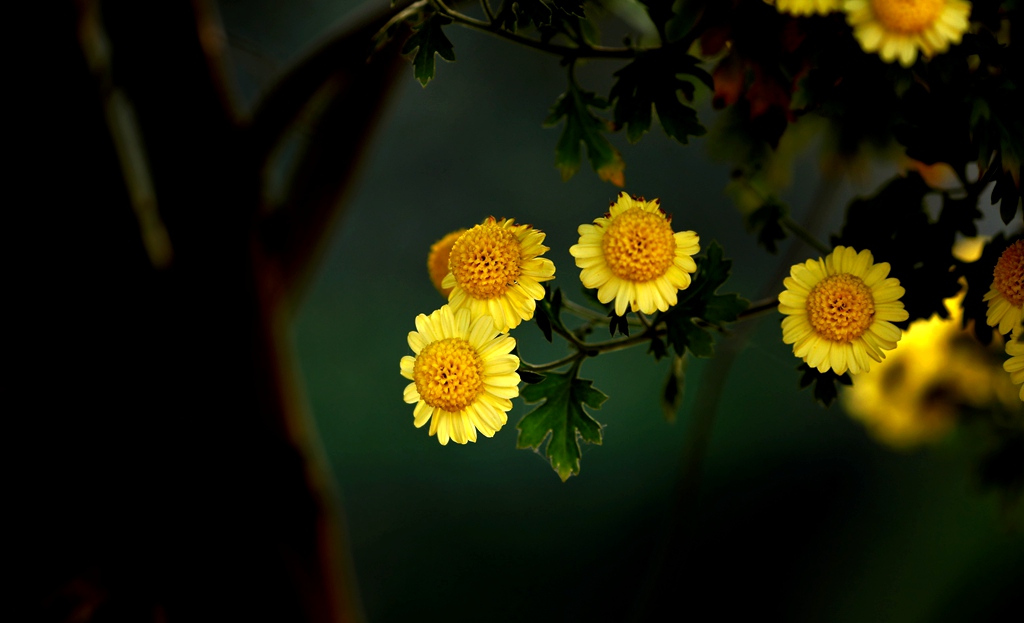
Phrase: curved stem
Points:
(587, 313)
(553, 365)
(798, 230)
(583, 51)
(487, 11)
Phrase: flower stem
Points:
(798, 230)
(571, 52)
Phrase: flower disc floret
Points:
(485, 261)
(639, 245)
(463, 375)
(840, 307)
(839, 311)
(1006, 294)
(632, 256)
(899, 29)
(449, 374)
(496, 271)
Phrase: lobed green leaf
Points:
(427, 40)
(561, 419)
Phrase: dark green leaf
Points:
(764, 222)
(529, 377)
(561, 419)
(658, 348)
(583, 127)
(652, 81)
(570, 7)
(825, 390)
(701, 301)
(521, 12)
(1005, 192)
(683, 335)
(427, 40)
(687, 13)
(618, 323)
(549, 312)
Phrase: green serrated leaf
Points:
(701, 301)
(532, 11)
(657, 348)
(570, 7)
(583, 127)
(686, 15)
(764, 222)
(652, 81)
(618, 323)
(684, 336)
(427, 40)
(549, 312)
(825, 390)
(561, 419)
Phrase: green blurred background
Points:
(801, 514)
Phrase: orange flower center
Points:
(485, 261)
(840, 308)
(1008, 277)
(448, 374)
(437, 261)
(639, 246)
(907, 16)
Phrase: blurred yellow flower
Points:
(808, 7)
(915, 395)
(840, 310)
(898, 29)
(437, 260)
(632, 256)
(496, 271)
(463, 375)
(1006, 296)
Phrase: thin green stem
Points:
(587, 313)
(798, 230)
(552, 365)
(570, 52)
(487, 11)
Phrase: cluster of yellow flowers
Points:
(839, 314)
(839, 311)
(463, 373)
(894, 29)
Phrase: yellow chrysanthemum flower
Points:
(915, 395)
(898, 29)
(1015, 364)
(463, 377)
(808, 7)
(632, 256)
(437, 260)
(1006, 296)
(840, 310)
(496, 271)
